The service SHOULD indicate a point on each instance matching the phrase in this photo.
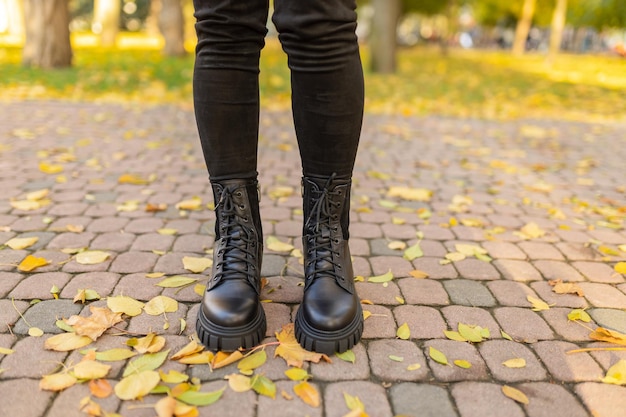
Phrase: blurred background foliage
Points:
(447, 57)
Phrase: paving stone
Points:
(551, 400)
(34, 406)
(607, 236)
(38, 286)
(107, 225)
(31, 360)
(380, 324)
(102, 282)
(372, 396)
(9, 259)
(396, 264)
(423, 291)
(380, 247)
(598, 272)
(10, 311)
(423, 322)
(473, 316)
(283, 290)
(569, 330)
(517, 270)
(558, 270)
(71, 240)
(339, 370)
(603, 400)
(434, 269)
(470, 400)
(44, 315)
(567, 368)
(132, 262)
(422, 400)
(365, 230)
(470, 293)
(63, 224)
(605, 358)
(152, 241)
(389, 370)
(379, 294)
(114, 241)
(456, 351)
(610, 318)
(523, 324)
(510, 293)
(503, 250)
(476, 269)
(281, 407)
(8, 281)
(359, 247)
(603, 295)
(544, 290)
(137, 286)
(67, 403)
(436, 232)
(541, 250)
(193, 243)
(273, 265)
(29, 224)
(398, 231)
(495, 352)
(147, 323)
(169, 263)
(146, 225)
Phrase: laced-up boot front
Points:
(231, 315)
(330, 318)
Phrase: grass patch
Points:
(482, 84)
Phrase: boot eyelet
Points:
(245, 219)
(242, 206)
(239, 194)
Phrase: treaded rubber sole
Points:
(320, 341)
(229, 339)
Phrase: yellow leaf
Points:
(263, 386)
(167, 232)
(307, 393)
(191, 348)
(276, 245)
(530, 231)
(113, 355)
(65, 342)
(26, 205)
(239, 383)
(398, 220)
(347, 356)
(47, 168)
(560, 287)
(437, 356)
(418, 274)
(538, 305)
(161, 304)
(396, 245)
(606, 335)
(413, 252)
(126, 305)
(173, 377)
(21, 243)
(515, 394)
(196, 265)
(353, 402)
(165, 407)
(452, 335)
(366, 314)
(223, 359)
(35, 332)
(462, 364)
(194, 203)
(151, 343)
(202, 358)
(403, 332)
(155, 275)
(132, 179)
(579, 314)
(91, 370)
(616, 373)
(6, 351)
(471, 333)
(94, 326)
(413, 367)
(515, 363)
(412, 194)
(620, 267)
(199, 289)
(176, 282)
(297, 374)
(253, 361)
(137, 385)
(455, 256)
(31, 263)
(128, 206)
(57, 382)
(290, 350)
(386, 277)
(92, 257)
(280, 192)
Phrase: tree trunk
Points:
(172, 26)
(152, 21)
(523, 27)
(106, 20)
(47, 43)
(556, 30)
(383, 37)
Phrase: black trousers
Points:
(319, 39)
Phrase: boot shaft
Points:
(242, 196)
(326, 199)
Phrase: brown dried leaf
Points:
(560, 287)
(223, 359)
(100, 388)
(610, 336)
(94, 326)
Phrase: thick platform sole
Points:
(319, 341)
(229, 339)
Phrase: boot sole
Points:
(229, 339)
(326, 342)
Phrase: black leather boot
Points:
(231, 315)
(330, 318)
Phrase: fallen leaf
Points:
(126, 305)
(413, 367)
(263, 386)
(560, 287)
(84, 295)
(411, 194)
(606, 335)
(146, 362)
(65, 342)
(196, 265)
(202, 358)
(57, 382)
(132, 179)
(200, 398)
(437, 356)
(579, 314)
(191, 348)
(239, 382)
(515, 363)
(462, 364)
(506, 335)
(280, 192)
(276, 245)
(6, 351)
(396, 358)
(616, 374)
(223, 359)
(167, 232)
(297, 374)
(515, 394)
(35, 332)
(403, 332)
(471, 333)
(165, 407)
(418, 274)
(90, 370)
(113, 355)
(353, 402)
(100, 388)
(366, 314)
(137, 385)
(94, 326)
(290, 350)
(151, 343)
(161, 304)
(194, 203)
(31, 263)
(21, 243)
(176, 282)
(537, 304)
(307, 393)
(396, 245)
(347, 356)
(92, 257)
(173, 377)
(413, 252)
(47, 168)
(452, 335)
(455, 256)
(253, 361)
(386, 277)
(620, 267)
(530, 231)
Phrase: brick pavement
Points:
(489, 180)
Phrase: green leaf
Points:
(253, 361)
(462, 364)
(147, 362)
(413, 252)
(454, 336)
(396, 358)
(176, 282)
(347, 356)
(263, 386)
(381, 278)
(113, 355)
(505, 335)
(199, 398)
(471, 333)
(403, 332)
(579, 314)
(353, 402)
(437, 356)
(297, 374)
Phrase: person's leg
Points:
(327, 102)
(226, 99)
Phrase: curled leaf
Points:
(307, 393)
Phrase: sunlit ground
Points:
(487, 84)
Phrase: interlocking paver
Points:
(477, 160)
(33, 406)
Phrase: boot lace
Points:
(236, 255)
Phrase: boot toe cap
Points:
(231, 304)
(328, 307)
